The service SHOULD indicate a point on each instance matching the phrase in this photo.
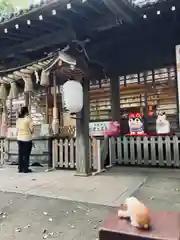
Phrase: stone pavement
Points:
(59, 205)
(161, 191)
(110, 188)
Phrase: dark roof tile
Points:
(12, 13)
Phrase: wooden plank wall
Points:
(146, 92)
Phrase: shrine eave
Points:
(48, 31)
(14, 74)
(50, 23)
(58, 62)
(82, 15)
(44, 4)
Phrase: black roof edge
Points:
(31, 10)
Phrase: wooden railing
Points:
(64, 153)
(39, 153)
(140, 151)
(149, 151)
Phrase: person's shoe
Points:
(28, 171)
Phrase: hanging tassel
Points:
(3, 92)
(37, 77)
(44, 79)
(13, 94)
(28, 84)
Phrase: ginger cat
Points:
(137, 212)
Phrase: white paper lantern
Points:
(13, 94)
(73, 96)
(3, 92)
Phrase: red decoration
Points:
(136, 135)
(135, 115)
(150, 113)
(138, 115)
(114, 129)
(131, 115)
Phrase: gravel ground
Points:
(30, 217)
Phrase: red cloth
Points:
(114, 130)
(161, 134)
(136, 135)
(150, 134)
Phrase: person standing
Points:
(25, 129)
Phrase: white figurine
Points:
(162, 124)
(135, 122)
(137, 212)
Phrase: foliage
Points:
(6, 9)
(12, 7)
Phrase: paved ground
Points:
(33, 203)
(161, 192)
(110, 188)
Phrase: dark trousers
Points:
(24, 151)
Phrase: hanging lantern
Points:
(13, 94)
(3, 92)
(44, 79)
(28, 83)
(73, 96)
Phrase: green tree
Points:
(6, 8)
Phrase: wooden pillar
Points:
(146, 103)
(10, 113)
(47, 105)
(30, 101)
(61, 120)
(115, 98)
(82, 135)
(178, 81)
(4, 119)
(55, 122)
(26, 98)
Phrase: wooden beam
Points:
(118, 8)
(13, 38)
(66, 35)
(115, 96)
(100, 24)
(91, 6)
(74, 10)
(55, 24)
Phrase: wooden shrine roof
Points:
(53, 22)
(47, 63)
(115, 37)
(26, 9)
